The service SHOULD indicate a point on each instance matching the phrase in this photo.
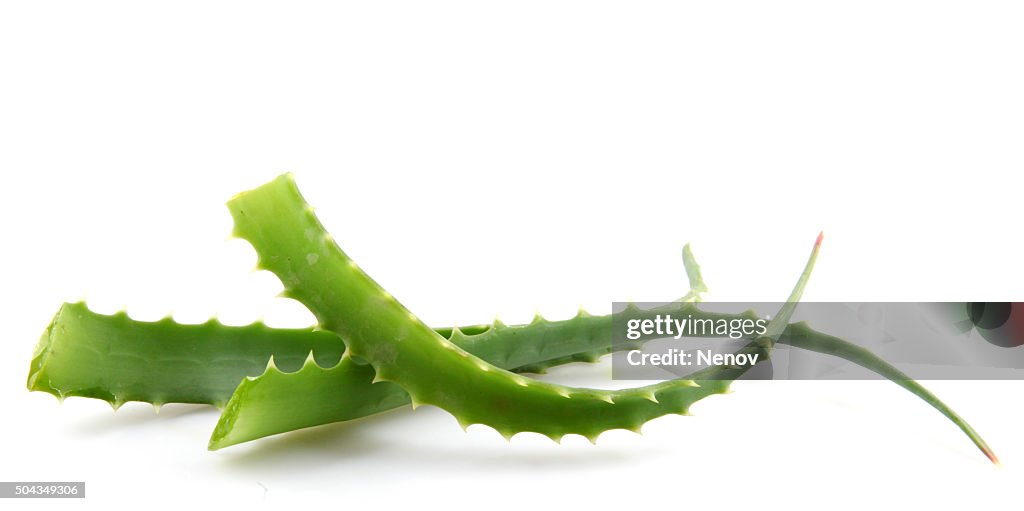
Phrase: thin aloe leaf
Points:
(779, 323)
(801, 335)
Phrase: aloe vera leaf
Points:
(117, 359)
(282, 196)
(291, 242)
(780, 322)
(801, 335)
(266, 405)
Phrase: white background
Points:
(505, 157)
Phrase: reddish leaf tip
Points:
(992, 457)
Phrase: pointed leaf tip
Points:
(992, 456)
